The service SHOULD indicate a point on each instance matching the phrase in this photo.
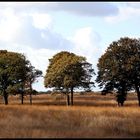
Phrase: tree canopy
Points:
(67, 71)
(13, 69)
(119, 66)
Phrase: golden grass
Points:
(99, 118)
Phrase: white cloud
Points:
(41, 20)
(31, 29)
(87, 43)
(9, 25)
(126, 11)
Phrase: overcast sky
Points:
(42, 29)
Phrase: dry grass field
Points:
(92, 116)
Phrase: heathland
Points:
(92, 116)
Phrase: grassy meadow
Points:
(92, 116)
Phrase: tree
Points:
(12, 72)
(119, 66)
(67, 71)
(32, 76)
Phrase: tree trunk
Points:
(71, 95)
(68, 99)
(30, 94)
(121, 97)
(30, 98)
(138, 93)
(22, 97)
(5, 95)
(120, 104)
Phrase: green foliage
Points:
(68, 70)
(119, 62)
(13, 69)
(119, 66)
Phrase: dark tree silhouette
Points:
(119, 66)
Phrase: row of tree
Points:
(118, 69)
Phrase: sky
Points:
(40, 30)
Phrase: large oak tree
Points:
(119, 66)
(67, 71)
